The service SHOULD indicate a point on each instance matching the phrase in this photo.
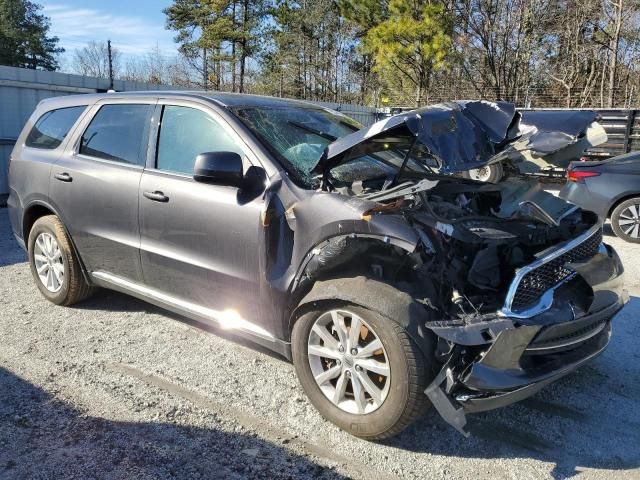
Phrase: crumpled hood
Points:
(464, 135)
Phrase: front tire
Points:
(625, 220)
(54, 265)
(361, 370)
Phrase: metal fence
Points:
(364, 115)
(20, 91)
(623, 132)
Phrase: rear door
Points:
(199, 242)
(94, 185)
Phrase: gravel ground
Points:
(116, 388)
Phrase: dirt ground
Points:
(117, 388)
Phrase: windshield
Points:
(296, 135)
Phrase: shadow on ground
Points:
(41, 437)
(586, 420)
(10, 252)
(607, 230)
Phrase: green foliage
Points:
(413, 52)
(219, 31)
(365, 13)
(24, 40)
(408, 40)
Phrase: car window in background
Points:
(297, 136)
(187, 132)
(52, 127)
(117, 133)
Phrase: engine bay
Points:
(473, 238)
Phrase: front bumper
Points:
(498, 361)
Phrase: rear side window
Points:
(117, 132)
(187, 132)
(52, 127)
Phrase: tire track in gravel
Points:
(251, 422)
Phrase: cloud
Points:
(131, 35)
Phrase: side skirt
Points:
(228, 320)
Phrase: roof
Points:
(221, 98)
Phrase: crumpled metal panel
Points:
(470, 134)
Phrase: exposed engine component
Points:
(473, 238)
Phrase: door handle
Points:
(63, 177)
(156, 196)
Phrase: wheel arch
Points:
(383, 298)
(622, 198)
(31, 214)
(41, 209)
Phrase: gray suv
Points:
(391, 284)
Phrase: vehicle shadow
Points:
(607, 231)
(10, 252)
(43, 437)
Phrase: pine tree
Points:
(24, 39)
(408, 40)
(219, 35)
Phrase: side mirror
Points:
(220, 168)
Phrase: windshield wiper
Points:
(313, 131)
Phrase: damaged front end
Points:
(514, 282)
(518, 286)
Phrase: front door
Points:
(199, 242)
(94, 186)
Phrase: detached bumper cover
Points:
(527, 354)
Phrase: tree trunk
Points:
(243, 43)
(205, 70)
(233, 50)
(614, 46)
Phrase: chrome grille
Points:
(549, 274)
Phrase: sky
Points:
(133, 26)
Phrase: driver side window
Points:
(186, 132)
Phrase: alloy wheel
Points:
(629, 221)
(49, 262)
(349, 362)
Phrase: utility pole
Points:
(110, 65)
(205, 69)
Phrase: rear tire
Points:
(625, 220)
(403, 397)
(54, 264)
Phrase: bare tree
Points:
(614, 12)
(93, 60)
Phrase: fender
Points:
(48, 206)
(388, 301)
(408, 246)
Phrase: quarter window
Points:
(52, 127)
(187, 132)
(117, 133)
